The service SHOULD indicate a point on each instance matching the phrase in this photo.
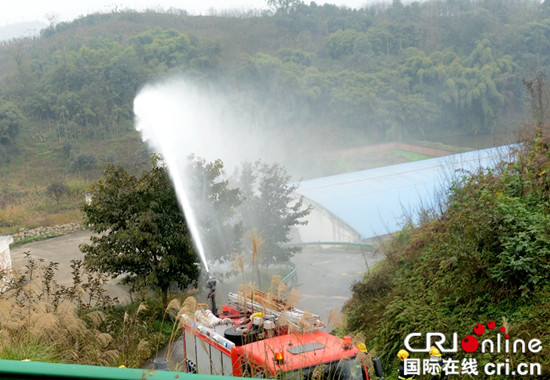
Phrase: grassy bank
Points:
(484, 258)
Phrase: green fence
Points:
(342, 243)
(17, 370)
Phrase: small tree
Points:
(215, 203)
(141, 230)
(83, 162)
(270, 207)
(11, 120)
(57, 190)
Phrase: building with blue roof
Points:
(355, 206)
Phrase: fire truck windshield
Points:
(345, 369)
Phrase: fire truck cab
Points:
(261, 336)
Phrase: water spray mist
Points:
(158, 118)
(178, 118)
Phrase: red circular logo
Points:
(470, 343)
(479, 329)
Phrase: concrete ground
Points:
(62, 250)
(325, 277)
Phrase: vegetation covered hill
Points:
(485, 257)
(327, 77)
(323, 77)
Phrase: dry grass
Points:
(132, 341)
(13, 214)
(335, 320)
(59, 217)
(29, 208)
(44, 321)
(278, 287)
(37, 312)
(77, 186)
(175, 310)
(41, 320)
(58, 326)
(255, 238)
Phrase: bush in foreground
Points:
(41, 320)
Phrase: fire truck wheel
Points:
(240, 335)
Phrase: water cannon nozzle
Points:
(211, 283)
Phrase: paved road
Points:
(325, 277)
(62, 250)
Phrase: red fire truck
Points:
(262, 336)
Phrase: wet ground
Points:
(323, 280)
(325, 276)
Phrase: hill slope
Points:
(486, 257)
(322, 77)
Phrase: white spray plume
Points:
(177, 118)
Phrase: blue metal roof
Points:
(375, 201)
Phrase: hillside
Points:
(323, 78)
(484, 257)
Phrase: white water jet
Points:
(157, 118)
(177, 119)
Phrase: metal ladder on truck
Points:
(259, 301)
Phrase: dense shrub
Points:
(486, 257)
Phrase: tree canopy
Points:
(258, 197)
(11, 120)
(141, 229)
(458, 63)
(215, 202)
(322, 77)
(271, 208)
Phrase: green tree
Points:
(84, 162)
(11, 120)
(474, 88)
(270, 208)
(57, 190)
(341, 43)
(283, 7)
(141, 230)
(216, 203)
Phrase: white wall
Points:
(5, 257)
(323, 226)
